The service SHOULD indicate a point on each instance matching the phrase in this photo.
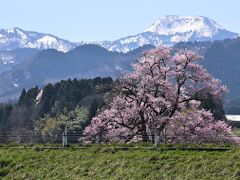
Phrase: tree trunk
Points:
(143, 130)
(145, 136)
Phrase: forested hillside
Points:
(45, 112)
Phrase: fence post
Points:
(156, 137)
(97, 139)
(64, 137)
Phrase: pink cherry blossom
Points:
(162, 93)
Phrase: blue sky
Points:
(91, 20)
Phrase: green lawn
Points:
(111, 163)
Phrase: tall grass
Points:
(113, 163)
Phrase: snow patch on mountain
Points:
(15, 83)
(7, 59)
(47, 40)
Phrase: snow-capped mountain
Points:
(15, 38)
(169, 30)
(172, 25)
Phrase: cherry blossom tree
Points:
(162, 92)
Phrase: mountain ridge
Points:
(167, 31)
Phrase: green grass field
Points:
(112, 163)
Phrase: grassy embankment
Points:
(112, 163)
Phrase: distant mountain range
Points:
(167, 31)
(85, 61)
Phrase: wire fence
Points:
(64, 139)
